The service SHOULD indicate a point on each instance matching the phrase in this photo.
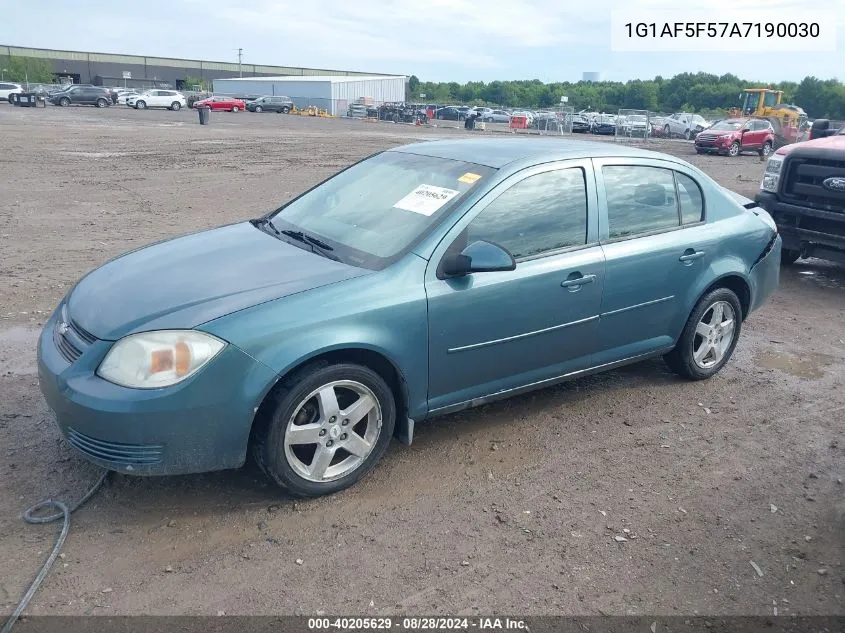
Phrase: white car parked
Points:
(169, 99)
(7, 89)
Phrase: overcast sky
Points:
(437, 40)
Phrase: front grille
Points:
(803, 178)
(71, 340)
(67, 349)
(706, 141)
(115, 452)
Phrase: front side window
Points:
(537, 215)
(374, 211)
(639, 200)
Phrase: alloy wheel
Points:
(332, 431)
(714, 334)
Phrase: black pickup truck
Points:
(803, 189)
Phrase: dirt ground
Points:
(510, 508)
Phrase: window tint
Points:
(539, 214)
(639, 200)
(690, 198)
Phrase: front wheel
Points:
(235, 109)
(328, 426)
(709, 337)
(64, 102)
(688, 135)
(175, 106)
(140, 105)
(101, 103)
(734, 149)
(259, 109)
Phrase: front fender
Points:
(385, 313)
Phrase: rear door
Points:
(656, 243)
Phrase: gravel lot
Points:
(510, 508)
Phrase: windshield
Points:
(374, 211)
(727, 125)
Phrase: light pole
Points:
(240, 58)
(4, 75)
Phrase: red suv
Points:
(734, 136)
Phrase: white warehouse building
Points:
(331, 93)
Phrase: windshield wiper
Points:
(304, 237)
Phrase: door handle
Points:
(574, 283)
(690, 256)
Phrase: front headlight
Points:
(158, 359)
(771, 176)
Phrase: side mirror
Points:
(478, 257)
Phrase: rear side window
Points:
(690, 198)
(639, 200)
(539, 214)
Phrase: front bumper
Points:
(813, 232)
(199, 425)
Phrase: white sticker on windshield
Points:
(426, 199)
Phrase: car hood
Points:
(186, 281)
(835, 142)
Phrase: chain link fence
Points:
(633, 125)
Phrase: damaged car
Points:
(478, 269)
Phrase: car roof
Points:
(497, 153)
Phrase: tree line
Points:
(688, 92)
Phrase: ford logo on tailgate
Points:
(834, 184)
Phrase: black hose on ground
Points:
(64, 513)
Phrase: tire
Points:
(289, 463)
(101, 103)
(64, 102)
(734, 149)
(667, 131)
(693, 342)
(789, 256)
(140, 105)
(175, 106)
(235, 109)
(767, 149)
(688, 135)
(258, 109)
(698, 151)
(285, 110)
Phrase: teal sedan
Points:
(420, 281)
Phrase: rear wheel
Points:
(766, 149)
(667, 131)
(328, 426)
(709, 337)
(688, 134)
(285, 109)
(734, 149)
(175, 105)
(235, 109)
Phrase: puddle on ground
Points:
(93, 154)
(17, 351)
(809, 366)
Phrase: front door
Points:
(656, 245)
(497, 331)
(753, 138)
